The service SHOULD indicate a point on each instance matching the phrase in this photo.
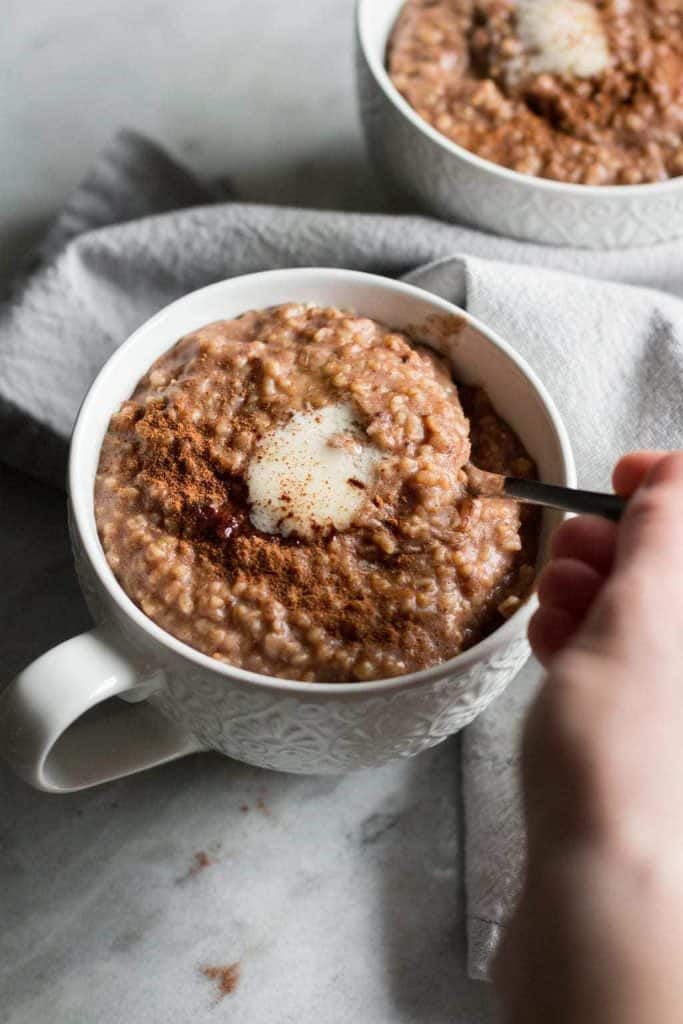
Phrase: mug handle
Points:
(45, 743)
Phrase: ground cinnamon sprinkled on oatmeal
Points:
(416, 572)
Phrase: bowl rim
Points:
(382, 78)
(80, 488)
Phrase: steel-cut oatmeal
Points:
(286, 492)
(585, 91)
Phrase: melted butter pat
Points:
(565, 37)
(313, 472)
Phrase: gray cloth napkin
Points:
(603, 330)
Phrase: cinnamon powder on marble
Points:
(227, 978)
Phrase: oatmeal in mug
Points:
(585, 91)
(286, 492)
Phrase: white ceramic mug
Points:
(178, 699)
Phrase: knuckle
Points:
(627, 616)
(623, 599)
(669, 469)
(646, 508)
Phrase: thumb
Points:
(638, 613)
(651, 531)
(631, 470)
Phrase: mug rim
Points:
(82, 506)
(383, 80)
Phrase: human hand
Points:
(598, 934)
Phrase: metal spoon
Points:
(492, 485)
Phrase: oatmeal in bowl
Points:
(555, 121)
(286, 492)
(582, 91)
(245, 501)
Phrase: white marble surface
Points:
(340, 898)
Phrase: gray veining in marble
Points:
(340, 898)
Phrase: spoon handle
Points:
(610, 506)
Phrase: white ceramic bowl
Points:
(417, 162)
(187, 701)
